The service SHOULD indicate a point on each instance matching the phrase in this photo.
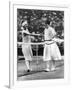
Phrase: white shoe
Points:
(47, 70)
(53, 69)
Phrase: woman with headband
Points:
(26, 47)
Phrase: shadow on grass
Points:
(29, 73)
(7, 86)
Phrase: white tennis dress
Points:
(26, 47)
(51, 50)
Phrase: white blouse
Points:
(49, 33)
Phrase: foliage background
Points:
(36, 21)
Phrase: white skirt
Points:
(27, 52)
(51, 52)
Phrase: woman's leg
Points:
(27, 53)
(55, 53)
(47, 66)
(47, 57)
(52, 65)
(27, 62)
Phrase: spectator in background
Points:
(51, 51)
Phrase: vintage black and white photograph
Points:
(40, 44)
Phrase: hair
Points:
(47, 22)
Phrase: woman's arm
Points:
(25, 31)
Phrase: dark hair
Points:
(48, 22)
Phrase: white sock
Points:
(27, 64)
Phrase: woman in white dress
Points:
(26, 47)
(51, 50)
